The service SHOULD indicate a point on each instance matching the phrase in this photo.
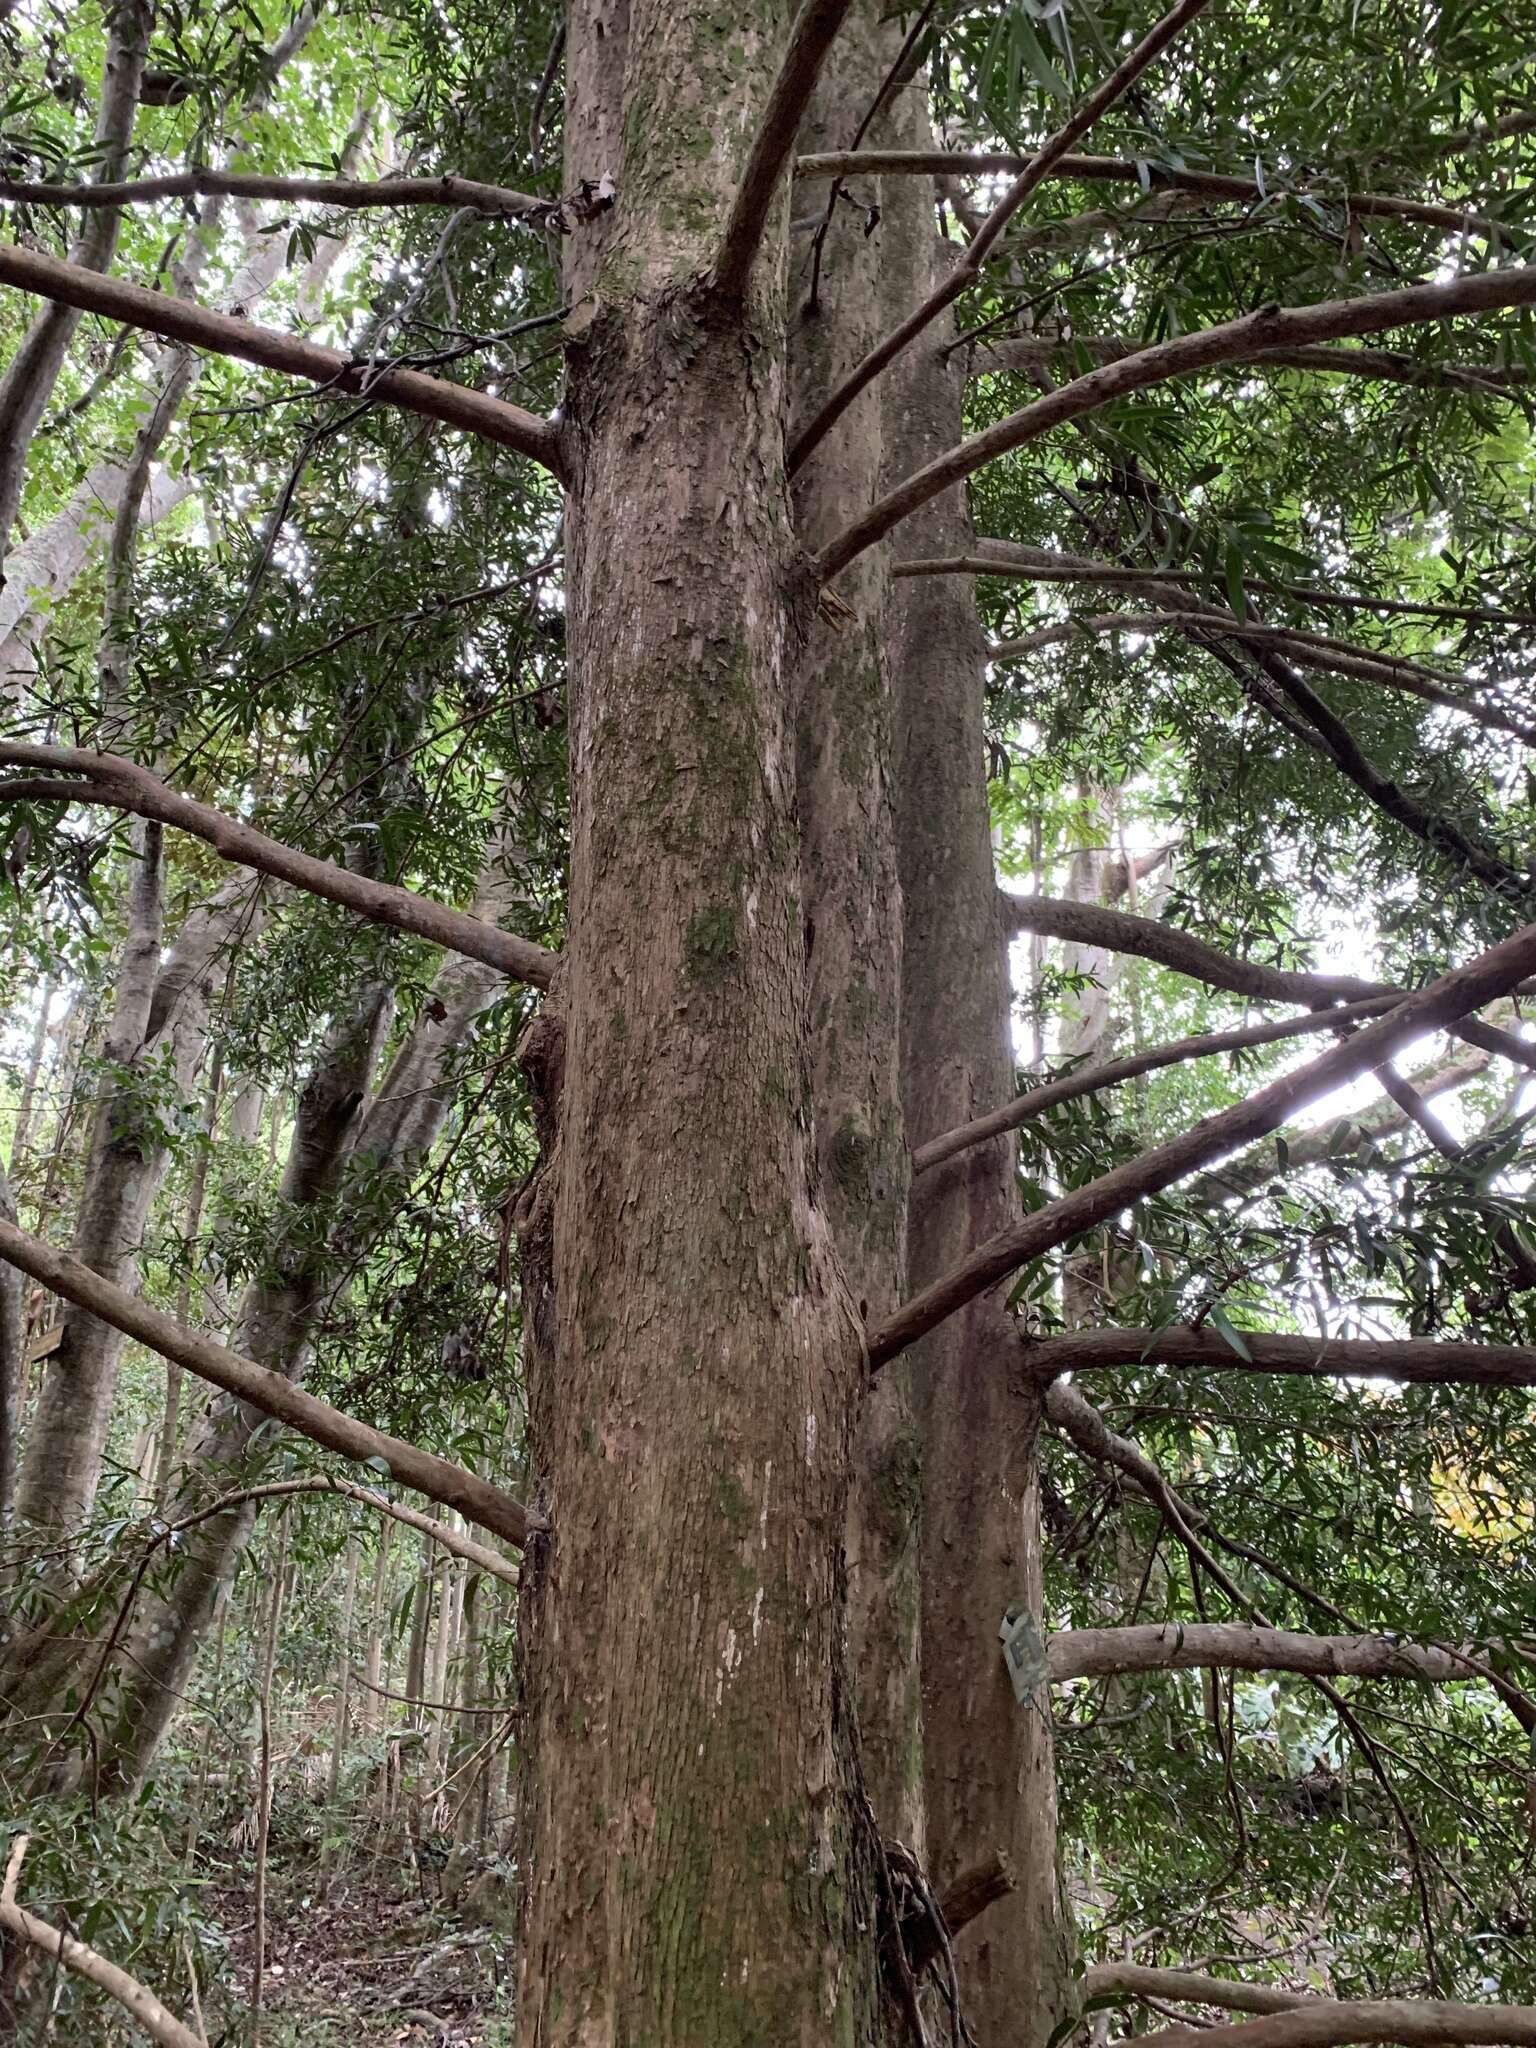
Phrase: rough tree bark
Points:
(990, 1781)
(837, 311)
(699, 1861)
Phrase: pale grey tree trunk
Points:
(338, 1121)
(158, 1028)
(42, 569)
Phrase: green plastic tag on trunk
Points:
(1023, 1651)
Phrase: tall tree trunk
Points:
(13, 1365)
(370, 1713)
(160, 1013)
(837, 310)
(21, 1132)
(699, 1868)
(276, 1323)
(197, 1195)
(990, 1780)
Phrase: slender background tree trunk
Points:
(990, 1780)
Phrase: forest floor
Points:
(373, 1959)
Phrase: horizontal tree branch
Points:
(1327, 2022)
(424, 1472)
(1117, 170)
(434, 398)
(1270, 327)
(1238, 1646)
(113, 780)
(480, 1555)
(1455, 995)
(1050, 565)
(811, 36)
(1032, 172)
(1307, 650)
(1089, 1080)
(1424, 1360)
(1378, 365)
(1122, 931)
(352, 193)
(1141, 1980)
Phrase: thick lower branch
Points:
(454, 405)
(475, 1498)
(136, 1999)
(1327, 2022)
(1141, 1980)
(1236, 1646)
(1424, 1360)
(1455, 995)
(1120, 931)
(112, 779)
(1276, 326)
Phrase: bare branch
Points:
(1307, 650)
(1270, 327)
(1425, 1361)
(1377, 365)
(1238, 1646)
(1116, 170)
(1050, 565)
(1091, 1435)
(1326, 2022)
(1032, 174)
(351, 193)
(451, 1485)
(1140, 1980)
(1121, 931)
(480, 1555)
(811, 36)
(1089, 1080)
(455, 405)
(1453, 996)
(113, 779)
